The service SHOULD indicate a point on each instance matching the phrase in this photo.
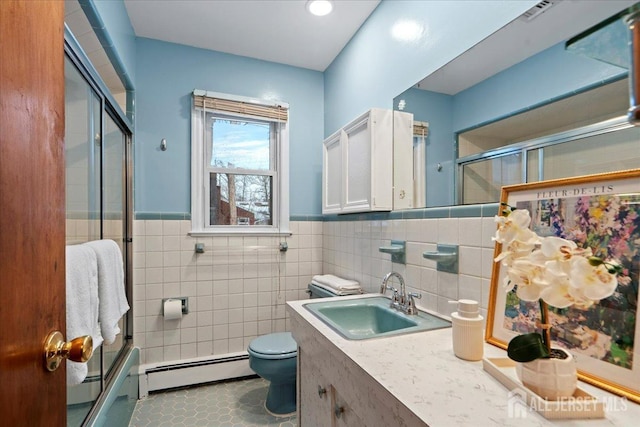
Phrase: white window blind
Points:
(245, 107)
(420, 129)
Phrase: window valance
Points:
(246, 107)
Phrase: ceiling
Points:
(272, 30)
(518, 40)
(515, 42)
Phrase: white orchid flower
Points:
(596, 283)
(529, 276)
(557, 248)
(517, 249)
(553, 269)
(579, 298)
(558, 293)
(507, 284)
(514, 227)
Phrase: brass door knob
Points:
(56, 350)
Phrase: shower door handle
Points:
(56, 350)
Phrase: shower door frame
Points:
(108, 106)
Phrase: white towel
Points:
(336, 283)
(337, 292)
(111, 291)
(82, 303)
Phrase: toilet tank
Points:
(318, 292)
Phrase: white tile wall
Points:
(350, 250)
(236, 289)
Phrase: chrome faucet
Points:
(400, 300)
(411, 308)
(397, 298)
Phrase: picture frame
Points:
(601, 211)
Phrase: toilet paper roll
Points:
(172, 309)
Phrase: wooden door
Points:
(32, 209)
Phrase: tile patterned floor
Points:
(227, 404)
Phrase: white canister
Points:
(467, 330)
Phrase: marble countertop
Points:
(422, 372)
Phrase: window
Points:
(239, 165)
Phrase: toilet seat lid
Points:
(278, 345)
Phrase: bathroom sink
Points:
(371, 317)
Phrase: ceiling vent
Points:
(537, 10)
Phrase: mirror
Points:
(515, 74)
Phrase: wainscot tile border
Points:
(463, 211)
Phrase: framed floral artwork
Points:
(601, 213)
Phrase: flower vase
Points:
(553, 378)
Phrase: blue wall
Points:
(369, 72)
(437, 109)
(166, 75)
(374, 68)
(551, 74)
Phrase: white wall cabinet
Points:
(357, 173)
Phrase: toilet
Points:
(274, 358)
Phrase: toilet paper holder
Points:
(184, 304)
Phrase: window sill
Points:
(240, 233)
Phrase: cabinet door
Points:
(403, 156)
(314, 405)
(382, 160)
(341, 412)
(357, 173)
(357, 165)
(332, 174)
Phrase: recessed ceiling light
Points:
(319, 7)
(407, 31)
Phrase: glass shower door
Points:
(97, 207)
(114, 208)
(482, 179)
(83, 223)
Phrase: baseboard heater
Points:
(195, 372)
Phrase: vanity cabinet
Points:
(321, 403)
(314, 400)
(333, 390)
(407, 380)
(342, 413)
(357, 165)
